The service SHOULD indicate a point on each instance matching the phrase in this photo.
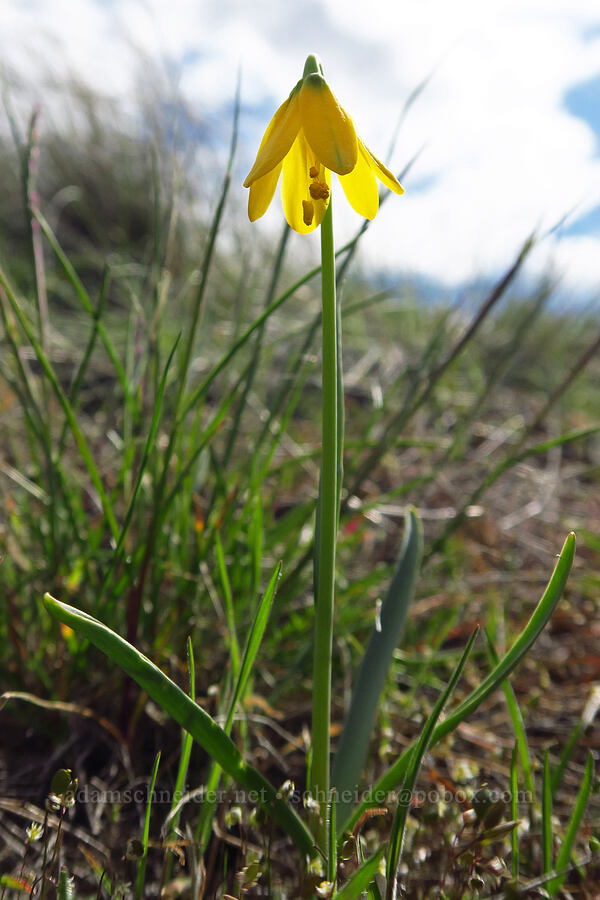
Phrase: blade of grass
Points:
(566, 848)
(510, 460)
(509, 661)
(116, 557)
(518, 725)
(546, 817)
(565, 756)
(331, 872)
(399, 421)
(253, 643)
(514, 812)
(60, 395)
(184, 760)
(143, 861)
(399, 824)
(85, 302)
(186, 713)
(233, 645)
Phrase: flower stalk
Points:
(327, 523)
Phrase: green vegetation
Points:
(159, 476)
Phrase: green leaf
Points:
(142, 862)
(352, 749)
(186, 713)
(509, 661)
(401, 815)
(566, 848)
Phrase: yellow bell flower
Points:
(309, 137)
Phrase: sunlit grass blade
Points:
(405, 795)
(186, 713)
(362, 878)
(143, 860)
(566, 848)
(353, 746)
(509, 661)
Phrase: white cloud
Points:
(502, 155)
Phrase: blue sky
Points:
(508, 127)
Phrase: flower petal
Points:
(329, 129)
(261, 193)
(295, 185)
(360, 187)
(382, 172)
(278, 138)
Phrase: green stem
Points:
(326, 529)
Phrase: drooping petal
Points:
(278, 138)
(360, 187)
(329, 129)
(261, 193)
(382, 172)
(295, 187)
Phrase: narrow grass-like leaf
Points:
(234, 648)
(72, 419)
(509, 661)
(202, 831)
(546, 817)
(331, 838)
(405, 796)
(253, 643)
(143, 860)
(518, 725)
(565, 756)
(397, 422)
(184, 761)
(362, 878)
(85, 302)
(142, 468)
(352, 749)
(566, 848)
(512, 459)
(186, 713)
(514, 812)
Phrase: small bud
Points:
(135, 849)
(233, 816)
(287, 789)
(61, 781)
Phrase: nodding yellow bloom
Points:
(309, 137)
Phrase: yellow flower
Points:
(309, 137)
